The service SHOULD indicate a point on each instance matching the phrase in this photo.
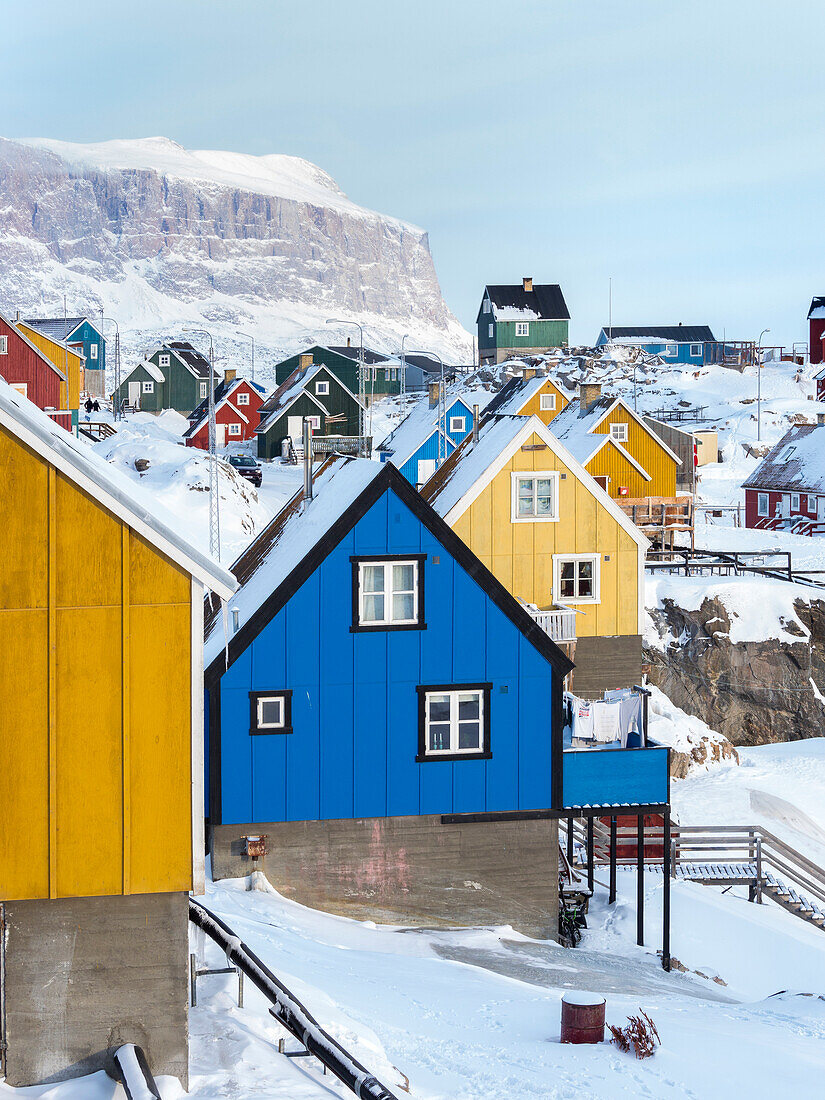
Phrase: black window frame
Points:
(486, 752)
(273, 693)
(357, 561)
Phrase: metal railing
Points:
(558, 624)
(777, 564)
(359, 445)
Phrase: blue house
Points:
(426, 438)
(372, 676)
(79, 333)
(691, 344)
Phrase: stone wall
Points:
(85, 975)
(409, 870)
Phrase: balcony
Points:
(559, 623)
(618, 777)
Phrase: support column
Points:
(613, 856)
(570, 840)
(666, 871)
(640, 880)
(590, 856)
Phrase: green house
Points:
(173, 376)
(382, 373)
(312, 391)
(521, 319)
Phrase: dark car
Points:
(247, 467)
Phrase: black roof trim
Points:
(677, 334)
(545, 299)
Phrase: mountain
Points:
(158, 237)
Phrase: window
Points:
(547, 402)
(535, 497)
(204, 389)
(322, 389)
(618, 432)
(696, 350)
(576, 578)
(148, 387)
(490, 331)
(234, 429)
(671, 349)
(457, 423)
(4, 345)
(486, 307)
(388, 592)
(270, 712)
(163, 360)
(454, 722)
(93, 351)
(794, 502)
(243, 398)
(762, 504)
(522, 328)
(315, 421)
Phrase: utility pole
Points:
(249, 336)
(214, 492)
(362, 384)
(116, 401)
(442, 408)
(610, 309)
(759, 386)
(403, 367)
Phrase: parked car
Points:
(247, 467)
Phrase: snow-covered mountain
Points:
(159, 237)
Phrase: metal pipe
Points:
(307, 441)
(640, 880)
(611, 898)
(475, 423)
(403, 367)
(666, 870)
(115, 404)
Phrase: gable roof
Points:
(371, 358)
(190, 356)
(673, 334)
(294, 386)
(425, 363)
(60, 345)
(470, 469)
(112, 489)
(513, 396)
(817, 308)
(575, 422)
(796, 463)
(511, 302)
(422, 421)
(304, 533)
(59, 328)
(223, 391)
(33, 347)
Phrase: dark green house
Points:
(382, 373)
(521, 319)
(313, 391)
(173, 376)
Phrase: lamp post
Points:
(759, 386)
(115, 404)
(362, 390)
(249, 336)
(214, 506)
(442, 406)
(403, 366)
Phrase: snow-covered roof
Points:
(128, 501)
(575, 423)
(288, 393)
(223, 392)
(58, 328)
(420, 423)
(653, 334)
(512, 397)
(154, 371)
(287, 539)
(817, 309)
(796, 463)
(511, 302)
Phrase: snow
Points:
(493, 439)
(670, 725)
(514, 313)
(422, 421)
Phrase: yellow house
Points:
(71, 363)
(529, 394)
(101, 752)
(581, 424)
(531, 512)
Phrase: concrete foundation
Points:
(409, 870)
(85, 975)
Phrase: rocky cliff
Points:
(157, 236)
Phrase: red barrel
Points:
(582, 1018)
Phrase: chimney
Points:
(528, 373)
(527, 283)
(434, 388)
(304, 362)
(349, 341)
(307, 459)
(230, 375)
(236, 620)
(820, 419)
(589, 393)
(18, 315)
(475, 423)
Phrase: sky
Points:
(675, 148)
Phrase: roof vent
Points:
(527, 283)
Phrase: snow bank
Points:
(686, 735)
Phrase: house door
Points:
(134, 394)
(426, 469)
(220, 436)
(295, 428)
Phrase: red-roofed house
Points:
(237, 404)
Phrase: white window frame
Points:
(4, 345)
(619, 432)
(164, 359)
(547, 402)
(522, 328)
(281, 723)
(204, 390)
(671, 350)
(562, 559)
(389, 592)
(490, 328)
(315, 421)
(243, 398)
(93, 351)
(453, 749)
(486, 308)
(763, 504)
(148, 387)
(536, 475)
(458, 423)
(234, 429)
(321, 389)
(695, 349)
(795, 507)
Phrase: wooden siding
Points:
(533, 406)
(352, 752)
(609, 462)
(342, 367)
(67, 361)
(23, 365)
(542, 334)
(428, 449)
(648, 451)
(338, 401)
(95, 759)
(521, 554)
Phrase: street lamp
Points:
(362, 391)
(759, 386)
(249, 336)
(116, 405)
(442, 405)
(214, 507)
(403, 366)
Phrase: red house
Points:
(29, 372)
(237, 401)
(816, 330)
(786, 491)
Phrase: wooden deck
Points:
(660, 517)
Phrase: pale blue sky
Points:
(677, 146)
